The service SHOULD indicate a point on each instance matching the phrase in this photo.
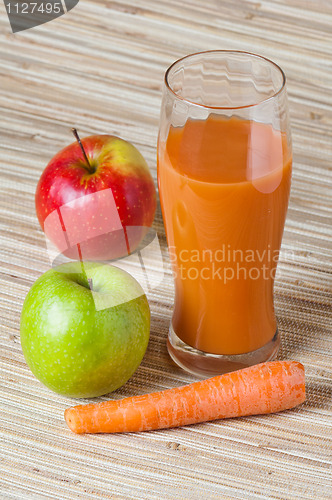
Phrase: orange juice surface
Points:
(224, 187)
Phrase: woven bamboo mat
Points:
(100, 68)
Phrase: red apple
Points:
(97, 208)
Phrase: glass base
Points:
(203, 364)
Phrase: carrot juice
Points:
(224, 185)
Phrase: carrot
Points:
(264, 388)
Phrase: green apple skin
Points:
(83, 343)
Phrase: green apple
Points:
(85, 328)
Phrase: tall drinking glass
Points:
(224, 174)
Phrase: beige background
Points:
(100, 68)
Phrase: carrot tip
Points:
(69, 421)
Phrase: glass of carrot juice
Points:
(224, 176)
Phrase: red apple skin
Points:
(115, 200)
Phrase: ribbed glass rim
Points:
(220, 51)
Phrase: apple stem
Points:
(89, 280)
(77, 137)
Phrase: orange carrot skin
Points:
(265, 388)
